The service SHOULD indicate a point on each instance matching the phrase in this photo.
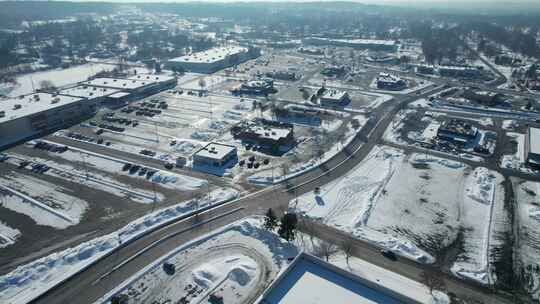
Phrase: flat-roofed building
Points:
(39, 114)
(138, 86)
(457, 130)
(332, 97)
(215, 155)
(388, 81)
(214, 59)
(270, 135)
(311, 280)
(532, 147)
(368, 44)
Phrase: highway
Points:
(98, 279)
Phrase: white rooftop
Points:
(215, 151)
(212, 55)
(117, 83)
(151, 77)
(269, 132)
(336, 95)
(534, 140)
(361, 41)
(313, 282)
(88, 91)
(31, 104)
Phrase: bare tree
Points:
(325, 249)
(347, 248)
(46, 85)
(432, 280)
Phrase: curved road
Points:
(112, 270)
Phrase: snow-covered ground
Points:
(482, 193)
(29, 281)
(517, 160)
(8, 235)
(59, 77)
(528, 246)
(47, 204)
(236, 262)
(374, 204)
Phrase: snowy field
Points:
(236, 262)
(482, 195)
(528, 244)
(47, 204)
(29, 281)
(374, 204)
(59, 77)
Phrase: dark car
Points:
(389, 255)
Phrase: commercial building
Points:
(386, 81)
(311, 280)
(532, 147)
(39, 114)
(332, 97)
(457, 130)
(97, 94)
(255, 87)
(457, 71)
(213, 60)
(272, 136)
(215, 155)
(368, 44)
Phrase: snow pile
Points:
(8, 235)
(482, 188)
(205, 275)
(29, 281)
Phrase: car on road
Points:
(389, 254)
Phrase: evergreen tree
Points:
(270, 220)
(287, 227)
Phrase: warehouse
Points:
(39, 114)
(213, 60)
(138, 86)
(532, 147)
(88, 92)
(368, 44)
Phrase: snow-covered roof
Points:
(117, 83)
(119, 95)
(215, 151)
(88, 91)
(31, 104)
(534, 140)
(359, 41)
(334, 95)
(152, 77)
(310, 280)
(211, 55)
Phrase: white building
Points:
(332, 97)
(215, 155)
(39, 114)
(213, 60)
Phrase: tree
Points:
(325, 249)
(347, 248)
(46, 85)
(270, 220)
(287, 228)
(432, 280)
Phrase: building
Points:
(272, 136)
(39, 114)
(137, 86)
(532, 147)
(213, 60)
(311, 280)
(457, 130)
(367, 44)
(255, 87)
(216, 155)
(386, 81)
(457, 71)
(483, 97)
(332, 97)
(282, 75)
(425, 69)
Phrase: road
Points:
(95, 281)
